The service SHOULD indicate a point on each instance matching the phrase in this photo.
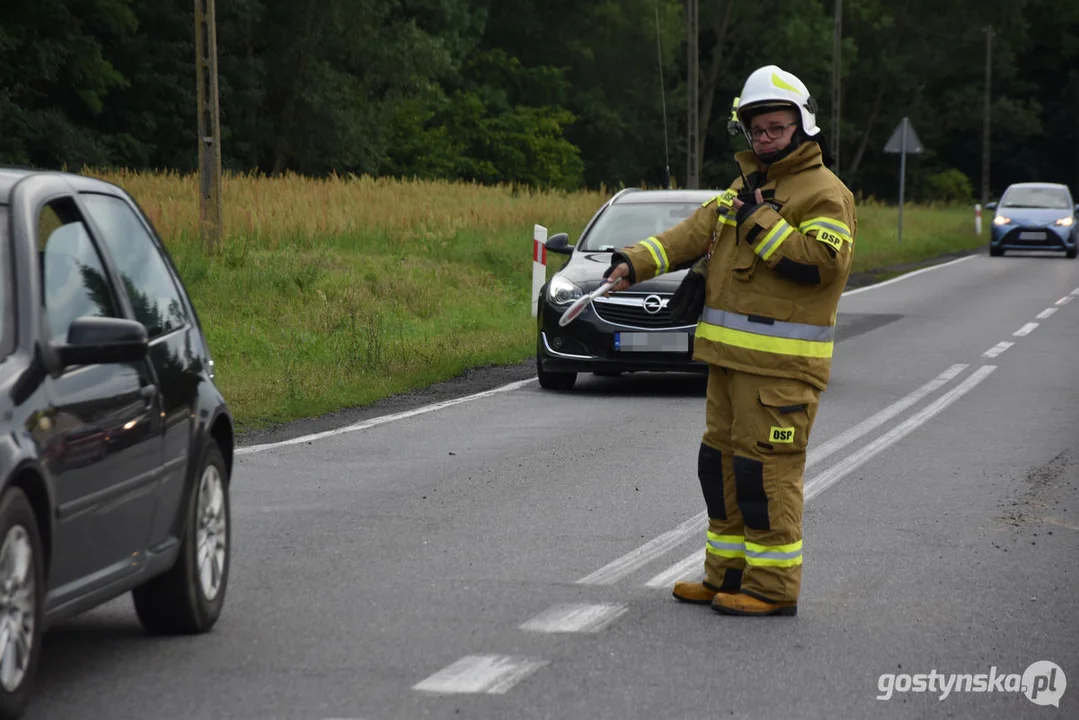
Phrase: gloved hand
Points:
(617, 259)
(687, 303)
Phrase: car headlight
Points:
(1065, 221)
(561, 291)
(1001, 220)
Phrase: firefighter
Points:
(770, 258)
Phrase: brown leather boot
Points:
(697, 593)
(747, 605)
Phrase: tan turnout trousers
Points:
(751, 461)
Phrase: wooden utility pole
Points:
(209, 124)
(837, 45)
(693, 159)
(985, 119)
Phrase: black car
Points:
(115, 444)
(627, 331)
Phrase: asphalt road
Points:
(511, 555)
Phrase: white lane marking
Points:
(1025, 330)
(1064, 300)
(840, 441)
(492, 674)
(248, 450)
(1075, 291)
(618, 569)
(679, 570)
(631, 561)
(851, 462)
(997, 349)
(831, 476)
(904, 277)
(569, 617)
(383, 419)
(1046, 313)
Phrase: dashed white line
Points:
(1046, 313)
(852, 462)
(1075, 291)
(570, 617)
(997, 349)
(1025, 330)
(1064, 300)
(492, 674)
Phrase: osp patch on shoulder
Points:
(830, 238)
(781, 435)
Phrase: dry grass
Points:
(338, 292)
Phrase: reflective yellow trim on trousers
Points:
(788, 555)
(753, 341)
(727, 546)
(659, 255)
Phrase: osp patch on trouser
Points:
(765, 422)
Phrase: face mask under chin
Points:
(774, 157)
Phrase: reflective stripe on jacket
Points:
(775, 278)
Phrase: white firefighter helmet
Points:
(771, 86)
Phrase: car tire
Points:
(188, 598)
(1071, 252)
(18, 534)
(553, 380)
(995, 251)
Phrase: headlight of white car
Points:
(1065, 221)
(561, 291)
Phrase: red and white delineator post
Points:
(977, 218)
(539, 264)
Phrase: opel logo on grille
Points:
(653, 304)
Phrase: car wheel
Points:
(996, 251)
(188, 598)
(22, 591)
(1071, 252)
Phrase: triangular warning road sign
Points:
(894, 145)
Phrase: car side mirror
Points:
(990, 206)
(559, 243)
(100, 340)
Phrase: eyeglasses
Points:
(773, 131)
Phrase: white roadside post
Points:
(978, 219)
(539, 264)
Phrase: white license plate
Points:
(651, 342)
(1031, 236)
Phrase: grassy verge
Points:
(335, 293)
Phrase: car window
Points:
(147, 280)
(629, 223)
(74, 282)
(1052, 198)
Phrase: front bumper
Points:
(1021, 237)
(610, 337)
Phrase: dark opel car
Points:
(622, 332)
(115, 444)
